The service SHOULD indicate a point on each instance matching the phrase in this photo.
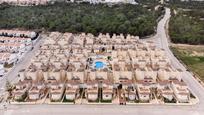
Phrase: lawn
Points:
(194, 62)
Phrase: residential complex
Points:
(26, 2)
(13, 46)
(45, 2)
(117, 69)
(106, 1)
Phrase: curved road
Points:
(162, 42)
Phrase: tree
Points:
(72, 17)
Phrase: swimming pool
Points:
(99, 65)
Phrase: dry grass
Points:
(192, 56)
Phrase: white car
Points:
(1, 70)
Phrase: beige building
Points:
(165, 91)
(56, 91)
(37, 91)
(21, 89)
(143, 89)
(102, 68)
(181, 91)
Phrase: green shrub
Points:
(72, 17)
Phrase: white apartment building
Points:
(14, 44)
(26, 2)
(45, 2)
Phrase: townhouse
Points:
(103, 68)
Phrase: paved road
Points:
(100, 110)
(162, 42)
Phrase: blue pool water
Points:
(99, 65)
